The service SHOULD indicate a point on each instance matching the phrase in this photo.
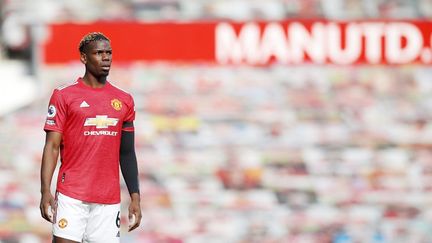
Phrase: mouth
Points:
(105, 68)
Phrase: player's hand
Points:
(134, 212)
(47, 207)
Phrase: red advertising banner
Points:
(252, 43)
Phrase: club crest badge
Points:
(116, 104)
(63, 223)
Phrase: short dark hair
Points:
(91, 37)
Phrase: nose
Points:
(106, 56)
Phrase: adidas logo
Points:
(84, 104)
(118, 234)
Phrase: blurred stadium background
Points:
(231, 149)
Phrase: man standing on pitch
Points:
(90, 123)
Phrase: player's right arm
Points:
(49, 160)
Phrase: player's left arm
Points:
(129, 168)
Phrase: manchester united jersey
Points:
(90, 120)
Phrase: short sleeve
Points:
(57, 110)
(130, 116)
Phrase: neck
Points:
(93, 81)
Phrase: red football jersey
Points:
(90, 120)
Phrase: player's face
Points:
(98, 58)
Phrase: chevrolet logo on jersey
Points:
(101, 122)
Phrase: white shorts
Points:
(86, 222)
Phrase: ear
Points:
(83, 58)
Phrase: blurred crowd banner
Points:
(252, 43)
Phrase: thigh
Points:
(70, 218)
(104, 224)
(62, 240)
